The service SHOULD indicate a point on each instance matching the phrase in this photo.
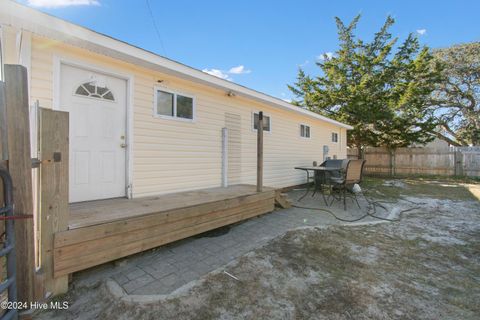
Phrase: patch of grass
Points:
(447, 189)
(459, 179)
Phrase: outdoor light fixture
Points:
(231, 94)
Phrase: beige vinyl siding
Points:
(171, 155)
(233, 123)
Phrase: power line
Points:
(156, 27)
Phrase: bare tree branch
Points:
(447, 139)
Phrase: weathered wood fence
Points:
(40, 183)
(53, 130)
(16, 157)
(442, 161)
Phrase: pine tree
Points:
(383, 94)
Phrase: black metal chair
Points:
(341, 185)
(322, 178)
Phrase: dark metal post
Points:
(8, 249)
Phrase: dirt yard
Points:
(425, 266)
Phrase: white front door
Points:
(97, 107)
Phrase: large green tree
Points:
(378, 87)
(456, 102)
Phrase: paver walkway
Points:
(162, 270)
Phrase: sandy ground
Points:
(426, 266)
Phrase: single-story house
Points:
(142, 124)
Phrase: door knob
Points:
(123, 145)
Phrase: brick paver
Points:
(164, 269)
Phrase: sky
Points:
(261, 44)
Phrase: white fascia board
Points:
(21, 16)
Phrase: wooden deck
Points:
(105, 230)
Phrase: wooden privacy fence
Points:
(443, 161)
(40, 185)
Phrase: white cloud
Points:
(306, 62)
(421, 31)
(238, 70)
(222, 74)
(325, 56)
(62, 3)
(217, 73)
(285, 98)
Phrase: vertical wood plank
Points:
(54, 211)
(20, 168)
(3, 126)
(260, 152)
(458, 162)
(3, 163)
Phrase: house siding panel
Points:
(172, 156)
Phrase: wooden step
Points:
(281, 200)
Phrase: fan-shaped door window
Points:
(92, 90)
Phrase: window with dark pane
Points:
(102, 90)
(108, 96)
(266, 122)
(304, 131)
(90, 86)
(334, 137)
(165, 103)
(82, 91)
(90, 89)
(184, 107)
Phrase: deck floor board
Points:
(106, 230)
(90, 213)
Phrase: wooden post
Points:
(20, 168)
(54, 211)
(391, 152)
(457, 162)
(260, 152)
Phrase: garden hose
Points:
(371, 211)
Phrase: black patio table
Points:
(317, 186)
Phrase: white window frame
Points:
(175, 93)
(264, 115)
(309, 130)
(336, 133)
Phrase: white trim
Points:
(24, 17)
(2, 50)
(224, 157)
(340, 140)
(309, 130)
(25, 57)
(264, 115)
(18, 45)
(175, 94)
(129, 78)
